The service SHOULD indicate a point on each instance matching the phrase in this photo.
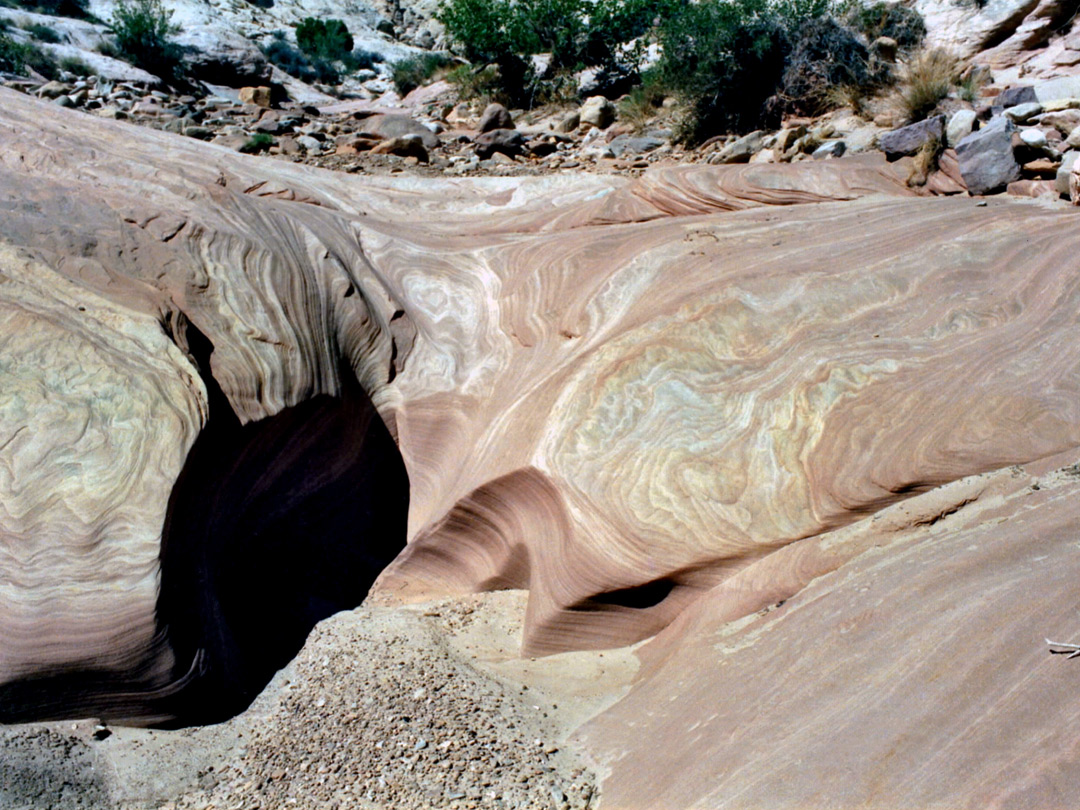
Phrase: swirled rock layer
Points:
(617, 394)
(915, 674)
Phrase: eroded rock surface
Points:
(620, 395)
(915, 675)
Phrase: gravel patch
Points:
(378, 711)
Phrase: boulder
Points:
(785, 138)
(885, 49)
(495, 116)
(910, 139)
(1030, 188)
(634, 144)
(403, 146)
(986, 157)
(571, 122)
(1060, 104)
(1034, 138)
(233, 63)
(1061, 182)
(541, 147)
(960, 126)
(1041, 168)
(598, 112)
(741, 150)
(310, 144)
(271, 126)
(947, 179)
(829, 149)
(1073, 141)
(1014, 96)
(234, 142)
(1064, 121)
(1022, 113)
(259, 96)
(54, 89)
(1064, 88)
(505, 141)
(355, 144)
(1074, 183)
(392, 126)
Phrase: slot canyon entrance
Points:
(271, 527)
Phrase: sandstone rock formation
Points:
(630, 397)
(916, 675)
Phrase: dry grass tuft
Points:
(926, 162)
(641, 105)
(851, 96)
(925, 81)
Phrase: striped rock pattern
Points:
(618, 394)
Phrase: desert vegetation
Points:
(323, 53)
(144, 36)
(17, 57)
(57, 8)
(416, 70)
(736, 65)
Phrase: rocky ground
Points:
(420, 707)
(1023, 140)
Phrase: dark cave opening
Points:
(640, 597)
(272, 526)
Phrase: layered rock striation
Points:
(620, 394)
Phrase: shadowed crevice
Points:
(272, 526)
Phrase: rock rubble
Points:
(378, 711)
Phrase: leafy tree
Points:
(325, 39)
(725, 59)
(16, 57)
(296, 63)
(144, 32)
(12, 58)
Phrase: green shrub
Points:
(476, 82)
(480, 27)
(577, 33)
(295, 63)
(725, 60)
(408, 74)
(259, 142)
(361, 59)
(42, 32)
(16, 57)
(971, 83)
(11, 55)
(108, 48)
(55, 8)
(324, 39)
(40, 61)
(73, 64)
(740, 65)
(825, 57)
(144, 32)
(894, 20)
